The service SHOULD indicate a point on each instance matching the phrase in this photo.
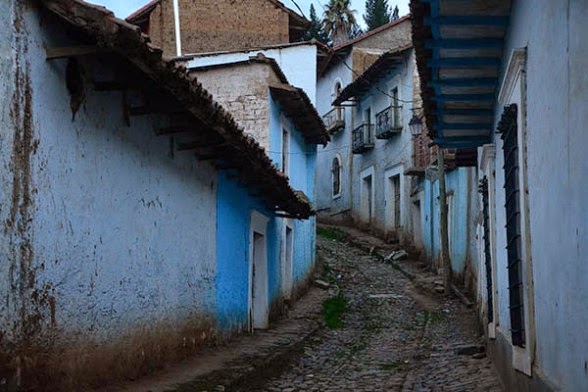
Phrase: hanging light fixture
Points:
(415, 124)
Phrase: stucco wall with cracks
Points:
(104, 232)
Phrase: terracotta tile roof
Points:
(232, 149)
(146, 9)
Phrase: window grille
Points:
(483, 188)
(507, 127)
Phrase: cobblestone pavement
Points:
(395, 336)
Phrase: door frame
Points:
(389, 221)
(287, 249)
(369, 172)
(258, 225)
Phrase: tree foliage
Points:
(316, 28)
(395, 13)
(339, 21)
(377, 13)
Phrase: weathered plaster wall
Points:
(557, 173)
(462, 207)
(243, 91)
(106, 235)
(301, 169)
(234, 206)
(392, 153)
(330, 207)
(297, 62)
(213, 25)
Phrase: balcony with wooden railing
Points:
(335, 120)
(388, 122)
(362, 139)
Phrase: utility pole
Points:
(445, 260)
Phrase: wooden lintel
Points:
(72, 51)
(173, 130)
(288, 216)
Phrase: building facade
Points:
(218, 25)
(512, 85)
(123, 183)
(284, 121)
(337, 174)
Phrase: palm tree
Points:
(339, 20)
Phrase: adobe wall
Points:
(219, 25)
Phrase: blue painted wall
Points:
(301, 169)
(234, 207)
(458, 183)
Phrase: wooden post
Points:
(445, 260)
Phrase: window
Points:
(336, 170)
(285, 150)
(507, 127)
(483, 189)
(337, 90)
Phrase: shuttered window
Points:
(509, 132)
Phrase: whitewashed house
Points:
(337, 174)
(509, 78)
(380, 101)
(133, 207)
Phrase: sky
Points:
(123, 8)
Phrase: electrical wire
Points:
(377, 88)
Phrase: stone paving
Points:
(396, 336)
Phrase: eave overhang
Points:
(384, 64)
(213, 132)
(458, 46)
(302, 112)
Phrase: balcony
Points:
(362, 139)
(335, 120)
(388, 122)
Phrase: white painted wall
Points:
(118, 234)
(297, 62)
(340, 144)
(392, 153)
(557, 175)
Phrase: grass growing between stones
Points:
(333, 310)
(331, 233)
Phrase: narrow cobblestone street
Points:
(394, 337)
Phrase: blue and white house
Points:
(381, 143)
(138, 220)
(508, 80)
(283, 120)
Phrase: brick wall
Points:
(219, 25)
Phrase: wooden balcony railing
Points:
(335, 120)
(388, 122)
(362, 139)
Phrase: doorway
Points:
(287, 261)
(258, 303)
